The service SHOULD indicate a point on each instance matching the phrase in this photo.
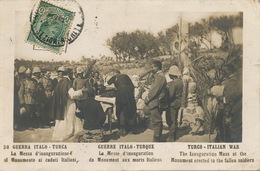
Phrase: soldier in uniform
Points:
(40, 96)
(175, 88)
(27, 99)
(47, 83)
(18, 80)
(232, 98)
(152, 101)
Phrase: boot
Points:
(122, 131)
(170, 138)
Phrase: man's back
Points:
(156, 89)
(92, 113)
(121, 80)
(175, 88)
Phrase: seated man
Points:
(94, 118)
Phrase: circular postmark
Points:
(49, 24)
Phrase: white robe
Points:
(71, 125)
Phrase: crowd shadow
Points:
(112, 132)
(180, 133)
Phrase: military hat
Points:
(21, 69)
(61, 69)
(174, 70)
(36, 69)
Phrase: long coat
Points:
(60, 97)
(125, 93)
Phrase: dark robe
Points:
(60, 98)
(92, 113)
(124, 94)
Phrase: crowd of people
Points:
(41, 102)
(68, 103)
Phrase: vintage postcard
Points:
(129, 85)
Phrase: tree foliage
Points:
(225, 25)
(167, 39)
(134, 45)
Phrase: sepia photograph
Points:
(170, 83)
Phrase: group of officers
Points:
(33, 92)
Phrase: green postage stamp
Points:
(50, 27)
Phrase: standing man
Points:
(18, 98)
(27, 98)
(47, 83)
(39, 95)
(175, 88)
(156, 91)
(232, 98)
(125, 100)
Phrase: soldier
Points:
(47, 83)
(18, 79)
(28, 73)
(232, 98)
(156, 91)
(40, 96)
(28, 102)
(175, 88)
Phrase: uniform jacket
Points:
(27, 91)
(156, 90)
(40, 96)
(175, 88)
(48, 86)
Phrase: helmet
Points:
(79, 70)
(61, 69)
(174, 70)
(28, 71)
(21, 69)
(36, 69)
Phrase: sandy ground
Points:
(142, 135)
